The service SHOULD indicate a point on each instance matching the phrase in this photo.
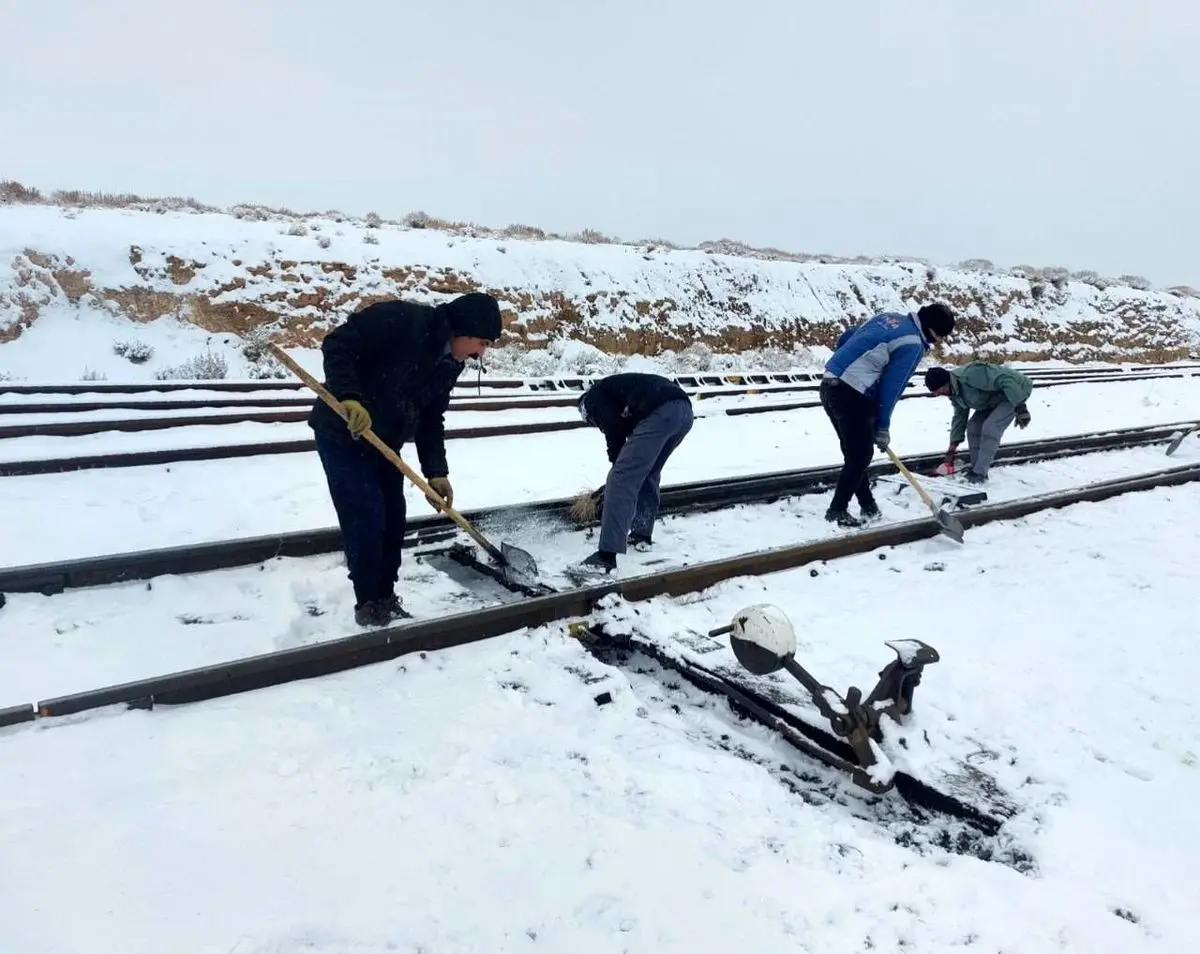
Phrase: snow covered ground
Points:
(102, 511)
(478, 799)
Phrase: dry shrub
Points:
(204, 367)
(585, 507)
(135, 352)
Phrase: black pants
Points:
(368, 496)
(853, 417)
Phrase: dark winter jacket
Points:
(394, 358)
(617, 404)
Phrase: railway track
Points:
(263, 448)
(961, 810)
(433, 529)
(700, 387)
(535, 384)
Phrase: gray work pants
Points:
(984, 430)
(631, 496)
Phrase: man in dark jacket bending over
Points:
(392, 365)
(644, 417)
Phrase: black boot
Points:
(394, 606)
(639, 542)
(372, 613)
(842, 518)
(596, 567)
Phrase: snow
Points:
(482, 798)
(145, 628)
(355, 813)
(620, 292)
(175, 504)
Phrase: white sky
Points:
(1056, 132)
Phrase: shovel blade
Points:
(1176, 440)
(950, 526)
(519, 565)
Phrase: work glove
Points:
(882, 438)
(357, 418)
(441, 485)
(1023, 416)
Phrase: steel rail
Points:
(303, 405)
(362, 649)
(498, 402)
(535, 383)
(481, 403)
(690, 497)
(264, 448)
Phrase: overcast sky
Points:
(1058, 132)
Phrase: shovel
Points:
(517, 565)
(947, 522)
(1177, 439)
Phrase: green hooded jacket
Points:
(980, 386)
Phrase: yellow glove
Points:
(441, 485)
(357, 418)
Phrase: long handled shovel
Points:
(518, 565)
(947, 522)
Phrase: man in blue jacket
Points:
(863, 380)
(643, 417)
(392, 365)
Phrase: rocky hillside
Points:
(258, 274)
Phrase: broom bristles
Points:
(584, 508)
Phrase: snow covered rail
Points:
(70, 428)
(306, 662)
(429, 530)
(424, 530)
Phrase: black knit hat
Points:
(936, 377)
(474, 315)
(937, 318)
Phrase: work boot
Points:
(596, 567)
(842, 518)
(639, 542)
(393, 606)
(870, 513)
(973, 478)
(372, 613)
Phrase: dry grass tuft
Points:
(585, 508)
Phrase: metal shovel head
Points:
(519, 565)
(950, 525)
(1176, 440)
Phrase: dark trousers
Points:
(853, 418)
(368, 496)
(631, 496)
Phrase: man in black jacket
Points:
(392, 365)
(644, 417)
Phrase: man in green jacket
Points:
(996, 393)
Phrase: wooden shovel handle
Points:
(912, 480)
(399, 462)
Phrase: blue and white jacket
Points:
(878, 358)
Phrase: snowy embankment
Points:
(103, 511)
(85, 292)
(363, 808)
